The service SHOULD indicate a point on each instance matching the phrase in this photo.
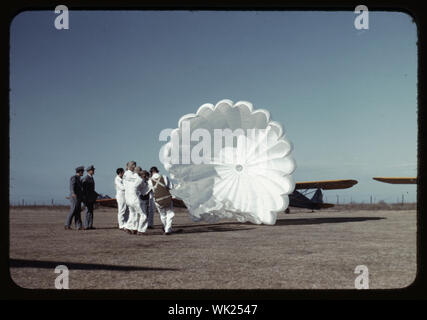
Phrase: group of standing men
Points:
(138, 192)
(82, 190)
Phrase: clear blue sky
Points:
(101, 92)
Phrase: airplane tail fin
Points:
(317, 197)
(318, 200)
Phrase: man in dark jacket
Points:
(89, 196)
(75, 200)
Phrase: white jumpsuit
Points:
(142, 191)
(166, 214)
(137, 219)
(121, 202)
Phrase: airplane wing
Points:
(326, 184)
(397, 180)
(107, 202)
(177, 203)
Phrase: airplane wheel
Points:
(287, 210)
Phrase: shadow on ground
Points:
(220, 227)
(22, 263)
(307, 221)
(237, 226)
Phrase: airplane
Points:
(397, 180)
(297, 199)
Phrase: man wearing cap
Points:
(89, 196)
(75, 200)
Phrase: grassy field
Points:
(303, 250)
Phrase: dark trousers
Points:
(89, 214)
(75, 209)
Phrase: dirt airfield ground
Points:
(304, 250)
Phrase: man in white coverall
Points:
(143, 193)
(160, 185)
(137, 221)
(129, 180)
(120, 197)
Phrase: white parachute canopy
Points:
(230, 161)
